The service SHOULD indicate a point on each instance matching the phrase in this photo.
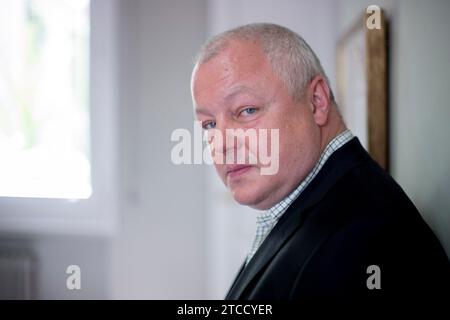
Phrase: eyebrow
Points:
(202, 111)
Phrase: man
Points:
(333, 222)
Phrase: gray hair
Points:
(291, 58)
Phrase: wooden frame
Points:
(362, 83)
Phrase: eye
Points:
(248, 111)
(208, 125)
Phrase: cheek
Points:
(298, 144)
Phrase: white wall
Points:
(420, 114)
(159, 252)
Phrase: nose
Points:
(223, 139)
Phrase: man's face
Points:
(237, 89)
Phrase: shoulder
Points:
(372, 223)
(403, 248)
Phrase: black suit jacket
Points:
(351, 216)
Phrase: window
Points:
(59, 125)
(44, 99)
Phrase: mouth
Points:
(235, 171)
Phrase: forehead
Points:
(241, 67)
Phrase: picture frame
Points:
(362, 85)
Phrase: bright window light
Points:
(44, 99)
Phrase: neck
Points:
(333, 128)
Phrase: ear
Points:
(319, 96)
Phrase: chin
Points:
(249, 197)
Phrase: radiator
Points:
(16, 275)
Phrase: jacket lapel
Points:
(344, 159)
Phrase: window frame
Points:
(97, 214)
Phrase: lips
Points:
(237, 170)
